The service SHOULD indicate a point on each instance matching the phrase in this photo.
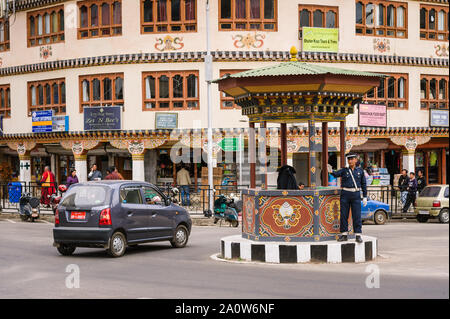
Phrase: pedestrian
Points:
(94, 175)
(412, 191)
(114, 174)
(301, 186)
(286, 178)
(72, 178)
(353, 182)
(47, 186)
(184, 180)
(403, 186)
(421, 181)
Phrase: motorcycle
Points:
(56, 198)
(29, 207)
(226, 209)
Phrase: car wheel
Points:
(422, 219)
(180, 238)
(117, 245)
(380, 217)
(66, 250)
(443, 216)
(234, 223)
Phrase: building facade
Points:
(145, 60)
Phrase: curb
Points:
(238, 248)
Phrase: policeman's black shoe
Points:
(342, 238)
(359, 239)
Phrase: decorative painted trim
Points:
(235, 248)
(410, 142)
(223, 56)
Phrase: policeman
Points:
(353, 181)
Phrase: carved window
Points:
(434, 22)
(248, 15)
(392, 92)
(4, 35)
(161, 16)
(176, 90)
(317, 16)
(47, 95)
(433, 92)
(101, 90)
(45, 26)
(99, 18)
(381, 18)
(5, 101)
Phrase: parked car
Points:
(117, 214)
(376, 211)
(432, 203)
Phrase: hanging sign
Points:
(320, 39)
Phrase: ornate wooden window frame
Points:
(382, 30)
(227, 99)
(59, 107)
(168, 26)
(5, 101)
(437, 103)
(37, 39)
(434, 34)
(100, 30)
(391, 103)
(233, 21)
(312, 9)
(4, 35)
(114, 101)
(157, 100)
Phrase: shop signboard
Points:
(166, 120)
(102, 118)
(438, 118)
(60, 123)
(230, 144)
(41, 121)
(320, 39)
(373, 115)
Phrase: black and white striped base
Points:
(238, 248)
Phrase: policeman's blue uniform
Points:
(351, 197)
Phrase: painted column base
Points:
(238, 248)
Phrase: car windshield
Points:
(430, 191)
(85, 196)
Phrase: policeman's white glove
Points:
(364, 201)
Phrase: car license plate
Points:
(424, 212)
(77, 215)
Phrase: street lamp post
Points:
(208, 76)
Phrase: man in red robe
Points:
(47, 186)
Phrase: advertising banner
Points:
(102, 118)
(372, 115)
(320, 39)
(42, 121)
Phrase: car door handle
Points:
(130, 213)
(154, 215)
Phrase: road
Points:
(414, 263)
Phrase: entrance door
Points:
(392, 160)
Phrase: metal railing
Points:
(198, 196)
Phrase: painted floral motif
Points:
(169, 44)
(251, 40)
(45, 52)
(441, 50)
(381, 45)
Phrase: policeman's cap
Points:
(351, 155)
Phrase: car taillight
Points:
(56, 217)
(437, 203)
(105, 217)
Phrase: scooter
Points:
(29, 207)
(56, 198)
(225, 209)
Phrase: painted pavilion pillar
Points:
(312, 153)
(324, 154)
(342, 147)
(262, 146)
(23, 150)
(252, 154)
(81, 166)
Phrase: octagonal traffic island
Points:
(242, 249)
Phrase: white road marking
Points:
(44, 221)
(11, 221)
